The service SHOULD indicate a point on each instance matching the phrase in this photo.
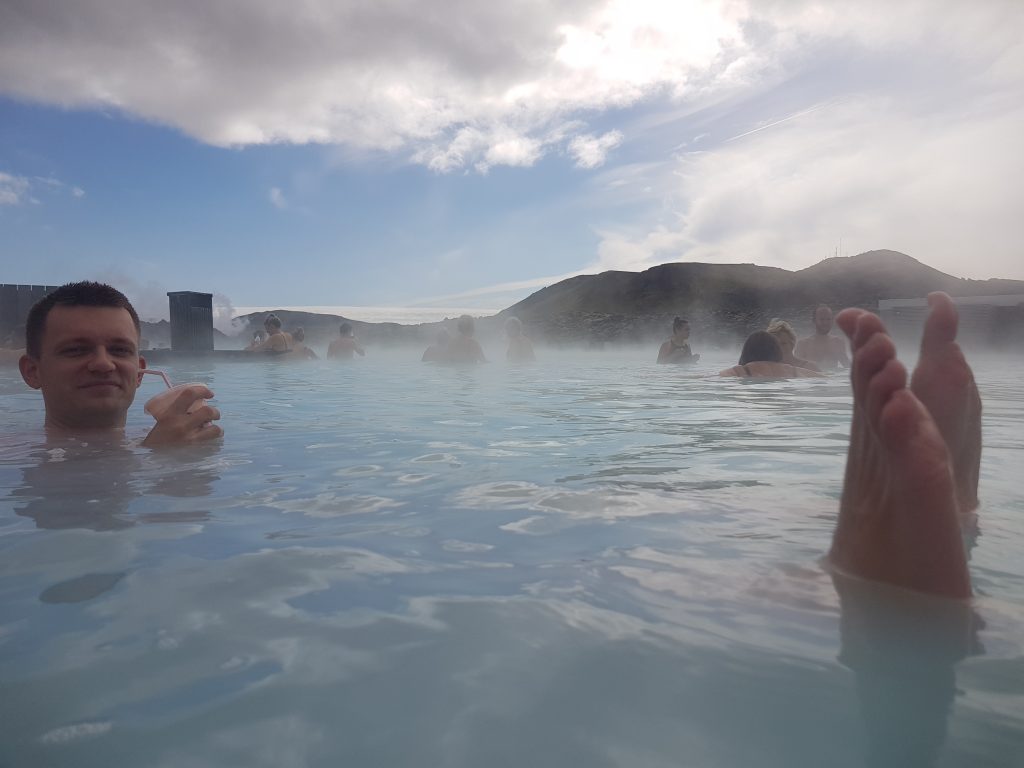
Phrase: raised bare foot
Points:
(944, 382)
(898, 519)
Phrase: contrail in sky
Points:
(785, 119)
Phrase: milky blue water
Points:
(594, 561)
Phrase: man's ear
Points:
(29, 368)
(142, 367)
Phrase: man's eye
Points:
(74, 351)
(122, 351)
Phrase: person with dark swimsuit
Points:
(677, 349)
(762, 358)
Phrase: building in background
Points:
(191, 321)
(994, 321)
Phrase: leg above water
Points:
(899, 519)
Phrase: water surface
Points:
(592, 561)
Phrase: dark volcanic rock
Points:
(726, 301)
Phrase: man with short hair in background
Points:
(823, 349)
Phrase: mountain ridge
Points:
(617, 305)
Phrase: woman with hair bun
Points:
(677, 349)
(276, 341)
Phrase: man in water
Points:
(346, 345)
(438, 351)
(464, 348)
(911, 481)
(821, 347)
(82, 353)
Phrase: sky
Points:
(454, 153)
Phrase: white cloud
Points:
(497, 88)
(397, 76)
(17, 190)
(590, 151)
(915, 147)
(885, 124)
(13, 189)
(277, 198)
(942, 188)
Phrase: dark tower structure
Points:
(191, 321)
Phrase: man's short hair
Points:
(83, 294)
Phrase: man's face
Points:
(88, 367)
(682, 333)
(823, 320)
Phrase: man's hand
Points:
(185, 420)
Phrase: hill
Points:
(722, 301)
(730, 298)
(320, 329)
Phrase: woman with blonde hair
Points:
(786, 336)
